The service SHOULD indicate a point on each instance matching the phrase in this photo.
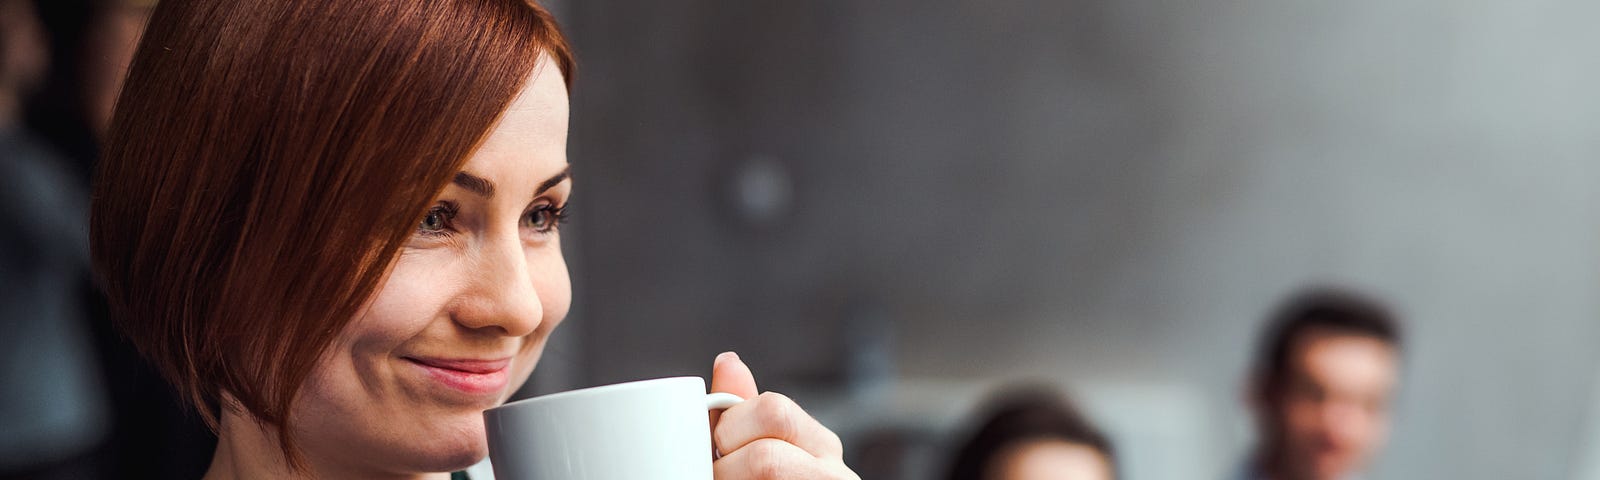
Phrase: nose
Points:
(500, 294)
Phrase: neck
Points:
(1272, 464)
(247, 449)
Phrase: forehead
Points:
(1050, 460)
(544, 91)
(531, 135)
(1346, 361)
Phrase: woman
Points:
(334, 227)
(1033, 433)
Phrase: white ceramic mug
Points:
(650, 429)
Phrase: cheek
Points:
(405, 304)
(1372, 429)
(554, 287)
(359, 365)
(1300, 413)
(548, 275)
(355, 400)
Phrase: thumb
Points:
(729, 374)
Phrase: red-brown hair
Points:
(268, 158)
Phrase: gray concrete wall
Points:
(1106, 193)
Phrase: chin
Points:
(468, 448)
(1334, 470)
(442, 458)
(450, 448)
(460, 460)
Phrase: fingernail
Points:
(725, 356)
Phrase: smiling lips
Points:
(476, 377)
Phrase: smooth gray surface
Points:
(1103, 192)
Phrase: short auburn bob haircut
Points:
(268, 159)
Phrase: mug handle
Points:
(720, 401)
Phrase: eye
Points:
(437, 220)
(545, 218)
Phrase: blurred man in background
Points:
(1326, 370)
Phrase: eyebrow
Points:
(475, 184)
(551, 182)
(485, 188)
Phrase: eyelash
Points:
(447, 213)
(446, 210)
(559, 216)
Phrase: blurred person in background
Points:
(1033, 433)
(1325, 372)
(91, 43)
(64, 62)
(52, 407)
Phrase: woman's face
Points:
(1049, 460)
(464, 312)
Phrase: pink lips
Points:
(477, 377)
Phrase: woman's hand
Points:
(768, 436)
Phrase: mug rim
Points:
(597, 389)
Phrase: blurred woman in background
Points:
(1033, 433)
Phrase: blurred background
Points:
(890, 208)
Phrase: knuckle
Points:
(766, 459)
(834, 443)
(719, 438)
(780, 415)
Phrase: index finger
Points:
(772, 415)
